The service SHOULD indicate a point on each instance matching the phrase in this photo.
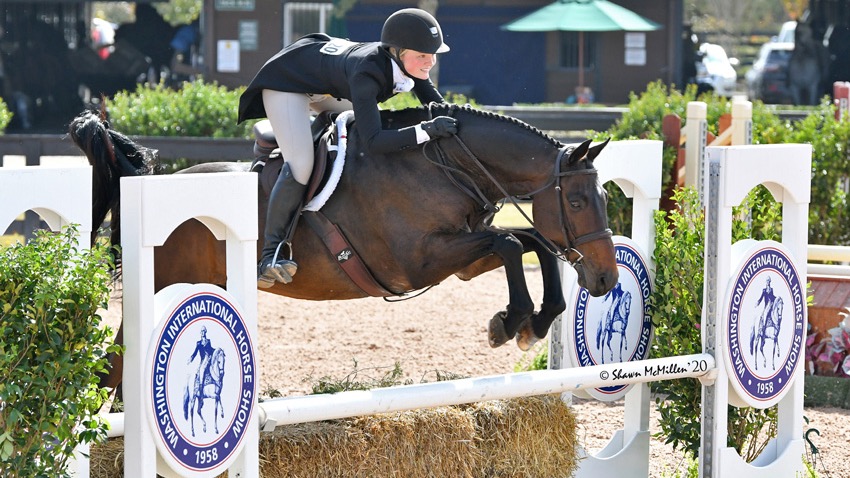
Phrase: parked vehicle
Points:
(786, 33)
(768, 79)
(716, 70)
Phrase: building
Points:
(487, 63)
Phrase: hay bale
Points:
(526, 437)
(419, 443)
(107, 459)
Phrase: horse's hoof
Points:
(525, 336)
(497, 334)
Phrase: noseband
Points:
(570, 239)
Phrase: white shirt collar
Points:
(401, 82)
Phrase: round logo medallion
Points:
(201, 379)
(615, 327)
(765, 322)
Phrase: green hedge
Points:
(52, 344)
(5, 116)
(197, 109)
(829, 211)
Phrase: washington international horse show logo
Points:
(766, 307)
(617, 326)
(201, 379)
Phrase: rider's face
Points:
(418, 64)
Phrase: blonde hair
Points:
(397, 52)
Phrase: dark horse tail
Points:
(111, 155)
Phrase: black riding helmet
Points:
(413, 29)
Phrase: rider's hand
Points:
(440, 127)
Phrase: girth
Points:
(268, 162)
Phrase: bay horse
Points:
(415, 217)
(210, 373)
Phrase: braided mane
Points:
(450, 109)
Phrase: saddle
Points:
(268, 162)
(268, 159)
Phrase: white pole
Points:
(455, 392)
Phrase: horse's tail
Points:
(111, 155)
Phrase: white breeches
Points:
(289, 114)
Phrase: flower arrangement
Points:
(832, 354)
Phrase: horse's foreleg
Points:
(553, 303)
(505, 324)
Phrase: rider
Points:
(768, 297)
(204, 350)
(322, 73)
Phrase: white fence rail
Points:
(819, 253)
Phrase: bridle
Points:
(474, 191)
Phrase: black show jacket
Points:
(359, 72)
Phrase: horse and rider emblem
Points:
(615, 327)
(201, 378)
(767, 327)
(616, 322)
(205, 382)
(764, 323)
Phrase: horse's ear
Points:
(593, 152)
(579, 152)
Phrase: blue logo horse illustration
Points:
(616, 321)
(768, 326)
(204, 383)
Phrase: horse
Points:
(415, 216)
(806, 66)
(768, 329)
(210, 373)
(617, 314)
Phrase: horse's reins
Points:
(570, 239)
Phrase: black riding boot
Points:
(284, 202)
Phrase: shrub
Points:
(409, 100)
(643, 120)
(676, 308)
(829, 210)
(51, 346)
(196, 109)
(5, 116)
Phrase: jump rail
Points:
(312, 408)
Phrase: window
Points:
(300, 19)
(569, 50)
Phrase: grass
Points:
(509, 217)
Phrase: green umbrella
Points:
(582, 16)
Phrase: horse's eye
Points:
(575, 204)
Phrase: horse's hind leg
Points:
(536, 328)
